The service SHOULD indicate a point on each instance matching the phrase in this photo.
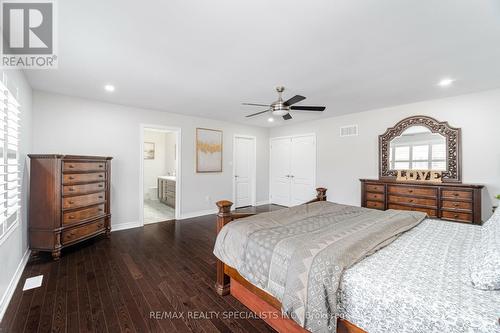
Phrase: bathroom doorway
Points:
(160, 199)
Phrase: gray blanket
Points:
(298, 254)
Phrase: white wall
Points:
(13, 249)
(170, 146)
(69, 125)
(342, 161)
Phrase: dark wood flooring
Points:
(159, 278)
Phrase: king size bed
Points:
(325, 267)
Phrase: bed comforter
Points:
(299, 254)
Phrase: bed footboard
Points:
(224, 216)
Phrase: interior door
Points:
(280, 171)
(302, 169)
(243, 171)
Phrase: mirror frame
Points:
(453, 136)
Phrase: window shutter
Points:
(9, 159)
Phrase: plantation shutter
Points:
(9, 159)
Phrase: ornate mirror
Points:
(421, 143)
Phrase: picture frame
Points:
(149, 150)
(209, 150)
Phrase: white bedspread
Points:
(420, 283)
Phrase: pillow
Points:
(484, 260)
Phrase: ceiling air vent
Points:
(351, 130)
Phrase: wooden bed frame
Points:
(267, 307)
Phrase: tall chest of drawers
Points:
(448, 201)
(69, 200)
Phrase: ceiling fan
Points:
(283, 108)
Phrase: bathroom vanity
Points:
(166, 190)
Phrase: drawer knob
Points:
(100, 185)
(71, 177)
(456, 205)
(410, 191)
(456, 216)
(71, 202)
(100, 176)
(101, 166)
(456, 194)
(71, 166)
(411, 200)
(71, 217)
(100, 209)
(100, 197)
(71, 189)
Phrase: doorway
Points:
(160, 176)
(292, 169)
(244, 170)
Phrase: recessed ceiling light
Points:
(270, 119)
(109, 88)
(446, 82)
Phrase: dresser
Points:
(166, 190)
(69, 200)
(448, 201)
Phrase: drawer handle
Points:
(101, 166)
(456, 205)
(456, 194)
(411, 200)
(100, 209)
(100, 197)
(456, 216)
(71, 177)
(410, 191)
(100, 176)
(71, 166)
(71, 202)
(71, 189)
(100, 185)
(71, 217)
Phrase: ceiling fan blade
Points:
(287, 116)
(255, 114)
(254, 104)
(308, 108)
(295, 99)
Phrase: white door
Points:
(244, 163)
(302, 169)
(280, 171)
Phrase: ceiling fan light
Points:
(279, 113)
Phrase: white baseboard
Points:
(198, 213)
(125, 226)
(260, 203)
(4, 303)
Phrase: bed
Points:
(413, 279)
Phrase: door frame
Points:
(290, 137)
(178, 180)
(253, 172)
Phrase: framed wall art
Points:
(208, 150)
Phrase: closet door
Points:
(302, 169)
(280, 171)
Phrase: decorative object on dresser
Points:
(69, 200)
(166, 190)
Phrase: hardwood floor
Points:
(159, 278)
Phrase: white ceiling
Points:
(204, 58)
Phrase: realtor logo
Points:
(28, 39)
